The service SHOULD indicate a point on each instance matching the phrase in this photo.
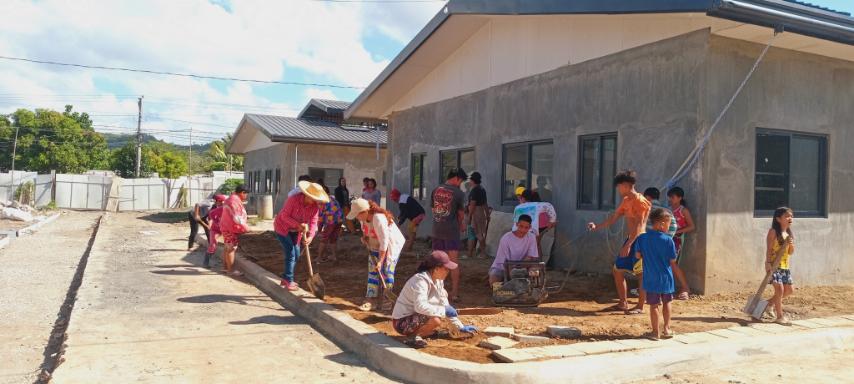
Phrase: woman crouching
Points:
(423, 302)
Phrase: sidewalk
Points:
(36, 274)
(147, 313)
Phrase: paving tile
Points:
(749, 331)
(497, 342)
(773, 327)
(600, 347)
(639, 343)
(849, 317)
(499, 331)
(706, 337)
(729, 334)
(809, 324)
(824, 322)
(514, 355)
(530, 339)
(561, 351)
(691, 338)
(845, 320)
(833, 321)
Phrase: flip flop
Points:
(651, 336)
(366, 307)
(682, 296)
(634, 311)
(616, 308)
(668, 334)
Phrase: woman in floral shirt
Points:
(331, 217)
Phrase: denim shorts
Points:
(658, 298)
(446, 245)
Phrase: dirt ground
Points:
(583, 303)
(12, 225)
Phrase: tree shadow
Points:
(228, 299)
(166, 217)
(271, 320)
(722, 319)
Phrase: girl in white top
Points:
(385, 241)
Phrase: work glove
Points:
(468, 329)
(450, 312)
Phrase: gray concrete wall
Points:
(649, 95)
(790, 91)
(357, 163)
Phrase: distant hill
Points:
(118, 140)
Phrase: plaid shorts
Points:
(782, 276)
(409, 325)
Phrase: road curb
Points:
(385, 354)
(32, 228)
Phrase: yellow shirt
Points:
(784, 263)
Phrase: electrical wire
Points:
(179, 74)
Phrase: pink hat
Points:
(437, 258)
(219, 198)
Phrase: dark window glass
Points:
(597, 167)
(417, 176)
(542, 166)
(790, 171)
(529, 165)
(515, 170)
(457, 158)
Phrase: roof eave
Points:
(299, 140)
(789, 17)
(240, 126)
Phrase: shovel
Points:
(315, 283)
(756, 305)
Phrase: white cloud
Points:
(265, 40)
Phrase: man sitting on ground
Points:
(517, 245)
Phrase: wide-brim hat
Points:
(358, 206)
(314, 191)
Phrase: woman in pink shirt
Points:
(213, 219)
(298, 219)
(231, 224)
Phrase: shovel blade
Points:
(317, 286)
(755, 307)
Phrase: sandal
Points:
(682, 295)
(783, 321)
(634, 311)
(416, 342)
(616, 308)
(651, 336)
(366, 307)
(668, 334)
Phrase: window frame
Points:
(528, 145)
(824, 143)
(422, 188)
(600, 204)
(459, 153)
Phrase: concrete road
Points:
(820, 368)
(35, 274)
(147, 312)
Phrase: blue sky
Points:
(295, 40)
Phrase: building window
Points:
(277, 184)
(457, 158)
(528, 165)
(597, 167)
(330, 176)
(256, 182)
(791, 170)
(268, 181)
(416, 177)
(247, 180)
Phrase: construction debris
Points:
(499, 331)
(564, 332)
(16, 214)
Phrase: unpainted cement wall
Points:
(648, 95)
(790, 91)
(357, 163)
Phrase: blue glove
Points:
(468, 329)
(450, 311)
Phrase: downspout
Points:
(296, 161)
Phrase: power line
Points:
(167, 73)
(379, 1)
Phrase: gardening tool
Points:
(756, 305)
(315, 283)
(387, 293)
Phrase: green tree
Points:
(49, 140)
(157, 157)
(220, 159)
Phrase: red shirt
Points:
(233, 218)
(297, 212)
(214, 216)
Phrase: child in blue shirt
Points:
(658, 252)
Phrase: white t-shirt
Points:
(534, 209)
(514, 248)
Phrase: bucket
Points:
(265, 211)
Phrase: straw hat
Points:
(358, 206)
(314, 191)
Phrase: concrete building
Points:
(561, 95)
(319, 142)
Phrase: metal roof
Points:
(789, 15)
(332, 104)
(334, 108)
(296, 130)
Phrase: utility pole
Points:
(190, 169)
(138, 137)
(14, 152)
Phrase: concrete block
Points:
(499, 331)
(773, 327)
(564, 332)
(689, 338)
(517, 355)
(600, 347)
(531, 339)
(497, 342)
(702, 337)
(729, 334)
(809, 324)
(749, 331)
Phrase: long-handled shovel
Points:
(756, 306)
(315, 283)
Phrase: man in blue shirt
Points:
(658, 252)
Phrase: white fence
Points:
(106, 192)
